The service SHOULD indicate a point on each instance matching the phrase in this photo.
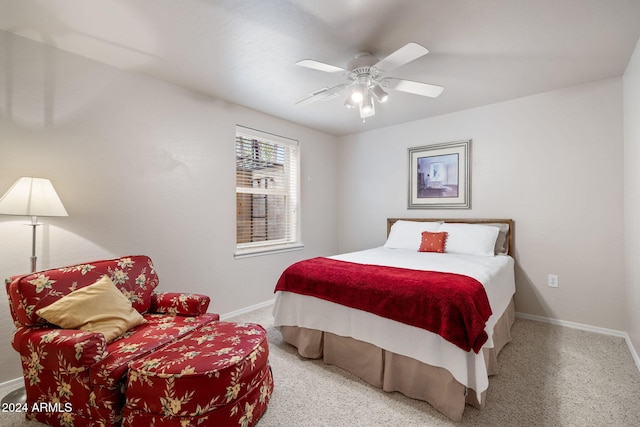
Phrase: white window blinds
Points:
(267, 185)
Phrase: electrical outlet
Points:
(552, 280)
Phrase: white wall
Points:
(146, 167)
(632, 194)
(553, 162)
(143, 167)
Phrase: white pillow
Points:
(470, 239)
(408, 234)
(502, 243)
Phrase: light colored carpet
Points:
(549, 376)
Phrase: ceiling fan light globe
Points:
(380, 94)
(356, 97)
(350, 103)
(357, 93)
(367, 108)
(366, 111)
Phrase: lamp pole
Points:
(30, 197)
(34, 258)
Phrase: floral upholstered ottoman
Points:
(218, 375)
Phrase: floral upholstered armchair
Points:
(79, 327)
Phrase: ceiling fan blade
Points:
(320, 66)
(323, 94)
(309, 100)
(404, 55)
(417, 88)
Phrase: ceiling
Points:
(244, 51)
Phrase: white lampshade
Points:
(32, 197)
(367, 107)
(380, 94)
(357, 93)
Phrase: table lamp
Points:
(32, 197)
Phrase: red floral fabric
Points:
(135, 276)
(79, 369)
(175, 303)
(141, 340)
(73, 377)
(217, 376)
(79, 349)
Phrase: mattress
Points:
(495, 273)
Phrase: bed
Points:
(447, 366)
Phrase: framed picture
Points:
(439, 176)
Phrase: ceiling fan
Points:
(366, 75)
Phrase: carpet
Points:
(549, 375)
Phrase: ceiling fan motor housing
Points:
(361, 70)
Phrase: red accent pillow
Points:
(433, 242)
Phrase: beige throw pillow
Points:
(99, 307)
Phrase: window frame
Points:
(292, 241)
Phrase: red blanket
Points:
(452, 305)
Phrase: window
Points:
(267, 196)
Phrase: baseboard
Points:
(588, 328)
(573, 325)
(633, 351)
(11, 385)
(247, 309)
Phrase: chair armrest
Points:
(174, 303)
(70, 350)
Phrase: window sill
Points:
(253, 252)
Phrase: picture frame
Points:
(440, 176)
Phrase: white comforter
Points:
(495, 273)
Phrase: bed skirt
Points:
(394, 372)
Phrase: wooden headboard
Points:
(391, 221)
